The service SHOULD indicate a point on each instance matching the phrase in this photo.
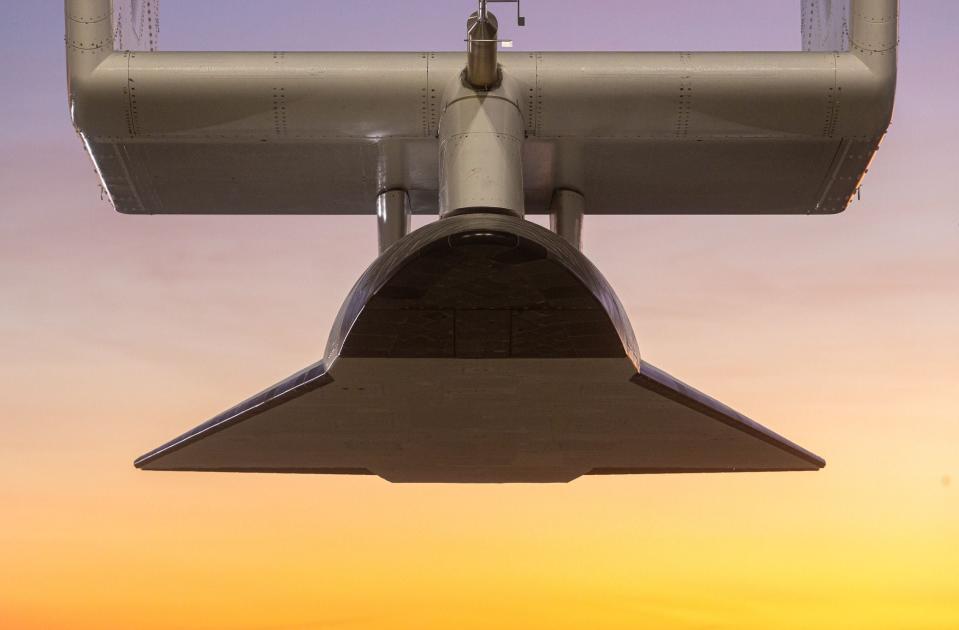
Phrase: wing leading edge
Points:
(421, 420)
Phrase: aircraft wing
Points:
(319, 421)
(636, 133)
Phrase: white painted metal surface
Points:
(781, 132)
(481, 149)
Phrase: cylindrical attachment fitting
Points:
(481, 155)
(392, 217)
(566, 216)
(89, 38)
(482, 71)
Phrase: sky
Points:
(118, 332)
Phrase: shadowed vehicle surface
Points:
(481, 348)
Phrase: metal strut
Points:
(481, 131)
(482, 71)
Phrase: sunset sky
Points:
(118, 332)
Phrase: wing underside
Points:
(456, 420)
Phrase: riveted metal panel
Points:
(635, 133)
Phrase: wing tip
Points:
(662, 383)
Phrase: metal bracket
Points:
(520, 19)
